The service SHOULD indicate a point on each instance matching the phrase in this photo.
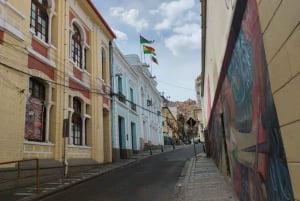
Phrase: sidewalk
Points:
(201, 181)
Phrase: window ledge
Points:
(43, 43)
(40, 57)
(38, 143)
(79, 146)
(85, 85)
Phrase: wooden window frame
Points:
(39, 19)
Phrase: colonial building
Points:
(149, 104)
(170, 126)
(125, 118)
(198, 113)
(250, 88)
(54, 74)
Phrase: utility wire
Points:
(61, 62)
(79, 89)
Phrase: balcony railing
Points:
(133, 106)
(19, 176)
(122, 97)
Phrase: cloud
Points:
(187, 29)
(171, 12)
(120, 35)
(130, 17)
(186, 38)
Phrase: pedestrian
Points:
(173, 143)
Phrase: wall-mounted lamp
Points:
(118, 75)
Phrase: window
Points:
(133, 106)
(103, 64)
(120, 90)
(39, 19)
(35, 112)
(77, 122)
(76, 48)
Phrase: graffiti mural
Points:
(246, 113)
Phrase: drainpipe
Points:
(66, 131)
(112, 92)
(203, 26)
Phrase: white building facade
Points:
(125, 118)
(136, 107)
(149, 105)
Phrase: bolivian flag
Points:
(148, 50)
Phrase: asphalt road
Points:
(151, 179)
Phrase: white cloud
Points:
(171, 12)
(130, 17)
(187, 29)
(186, 38)
(120, 35)
(165, 24)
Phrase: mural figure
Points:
(258, 165)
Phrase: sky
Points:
(175, 27)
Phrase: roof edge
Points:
(101, 18)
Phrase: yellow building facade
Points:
(250, 72)
(55, 81)
(170, 125)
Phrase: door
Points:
(122, 142)
(133, 137)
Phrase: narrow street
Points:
(150, 179)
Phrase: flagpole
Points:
(151, 68)
(144, 58)
(141, 48)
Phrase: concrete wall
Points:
(254, 126)
(219, 16)
(281, 33)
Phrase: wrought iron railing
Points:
(19, 170)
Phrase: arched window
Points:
(103, 64)
(39, 19)
(77, 122)
(35, 116)
(76, 48)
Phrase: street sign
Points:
(191, 122)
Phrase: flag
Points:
(144, 40)
(148, 50)
(154, 60)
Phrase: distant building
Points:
(198, 112)
(170, 126)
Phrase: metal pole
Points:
(193, 138)
(37, 176)
(19, 174)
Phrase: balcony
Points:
(133, 106)
(121, 97)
